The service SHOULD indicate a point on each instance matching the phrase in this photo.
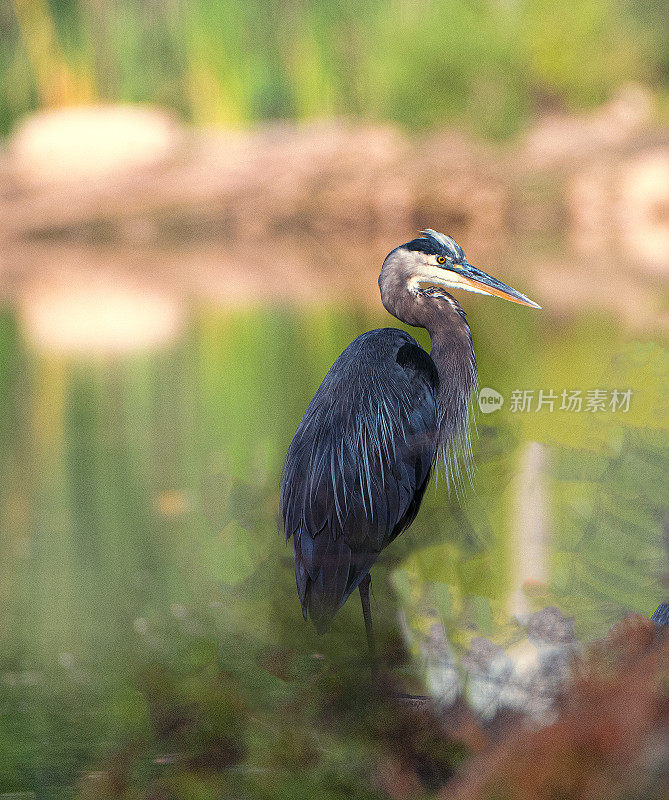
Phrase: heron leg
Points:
(367, 613)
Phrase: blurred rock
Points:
(481, 652)
(89, 143)
(643, 208)
(134, 170)
(529, 675)
(461, 187)
(621, 206)
(442, 677)
(550, 626)
(559, 139)
(78, 312)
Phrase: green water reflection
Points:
(150, 627)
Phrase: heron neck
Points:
(453, 355)
(445, 321)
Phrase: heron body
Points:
(360, 461)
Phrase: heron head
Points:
(430, 266)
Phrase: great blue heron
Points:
(357, 468)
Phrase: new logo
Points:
(490, 400)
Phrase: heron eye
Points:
(441, 260)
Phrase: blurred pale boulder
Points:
(622, 206)
(324, 177)
(561, 139)
(643, 208)
(86, 143)
(82, 313)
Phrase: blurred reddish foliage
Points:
(610, 737)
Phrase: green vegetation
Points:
(482, 64)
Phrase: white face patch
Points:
(444, 280)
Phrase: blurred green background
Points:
(153, 372)
(482, 64)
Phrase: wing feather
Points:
(358, 465)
